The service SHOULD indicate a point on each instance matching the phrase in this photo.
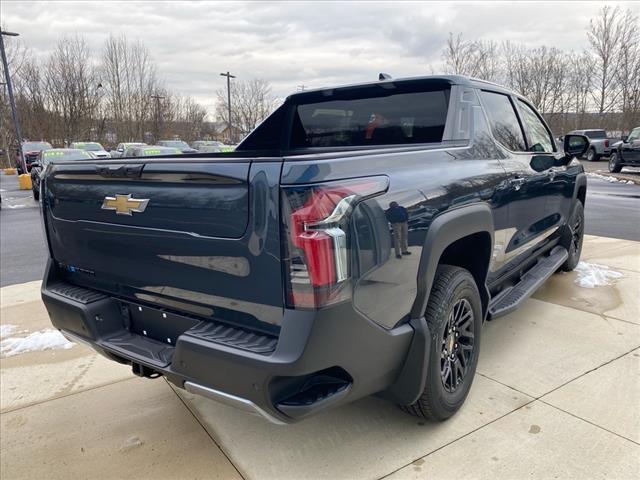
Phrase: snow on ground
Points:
(43, 340)
(6, 330)
(591, 275)
(608, 178)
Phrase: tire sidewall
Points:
(463, 286)
(591, 155)
(574, 255)
(613, 163)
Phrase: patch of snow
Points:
(49, 339)
(6, 330)
(131, 443)
(609, 178)
(591, 275)
(17, 206)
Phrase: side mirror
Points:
(35, 164)
(540, 163)
(575, 145)
(624, 138)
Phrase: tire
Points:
(575, 235)
(36, 194)
(592, 156)
(454, 294)
(614, 163)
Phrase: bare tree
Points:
(251, 102)
(473, 58)
(129, 80)
(71, 81)
(605, 35)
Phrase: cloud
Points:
(294, 43)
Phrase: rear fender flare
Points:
(446, 229)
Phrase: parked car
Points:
(46, 157)
(356, 244)
(120, 149)
(150, 151)
(626, 153)
(31, 150)
(210, 145)
(179, 144)
(599, 144)
(94, 147)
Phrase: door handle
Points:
(517, 182)
(555, 170)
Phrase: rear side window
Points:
(503, 120)
(389, 119)
(537, 134)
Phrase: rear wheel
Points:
(36, 194)
(454, 316)
(592, 156)
(575, 226)
(614, 163)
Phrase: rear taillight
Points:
(316, 238)
(606, 143)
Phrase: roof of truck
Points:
(448, 79)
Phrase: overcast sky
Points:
(297, 43)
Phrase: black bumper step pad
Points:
(75, 293)
(140, 348)
(234, 337)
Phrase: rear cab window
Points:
(396, 115)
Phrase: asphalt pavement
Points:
(612, 210)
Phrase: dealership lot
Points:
(556, 396)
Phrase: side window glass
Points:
(503, 120)
(635, 134)
(537, 134)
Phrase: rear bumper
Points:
(320, 359)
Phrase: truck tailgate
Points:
(190, 235)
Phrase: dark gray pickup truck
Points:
(353, 244)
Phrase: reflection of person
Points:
(398, 218)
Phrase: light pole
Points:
(12, 100)
(157, 129)
(229, 77)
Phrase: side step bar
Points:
(511, 298)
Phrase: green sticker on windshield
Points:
(152, 151)
(53, 153)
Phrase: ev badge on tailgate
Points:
(124, 204)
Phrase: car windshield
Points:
(66, 154)
(596, 134)
(92, 147)
(175, 144)
(30, 146)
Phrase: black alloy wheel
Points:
(457, 345)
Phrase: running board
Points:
(511, 298)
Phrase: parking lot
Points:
(556, 395)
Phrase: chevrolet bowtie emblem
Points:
(124, 204)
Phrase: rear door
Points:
(192, 235)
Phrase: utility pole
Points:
(229, 77)
(12, 100)
(301, 87)
(156, 133)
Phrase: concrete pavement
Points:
(556, 396)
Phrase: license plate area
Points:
(157, 324)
